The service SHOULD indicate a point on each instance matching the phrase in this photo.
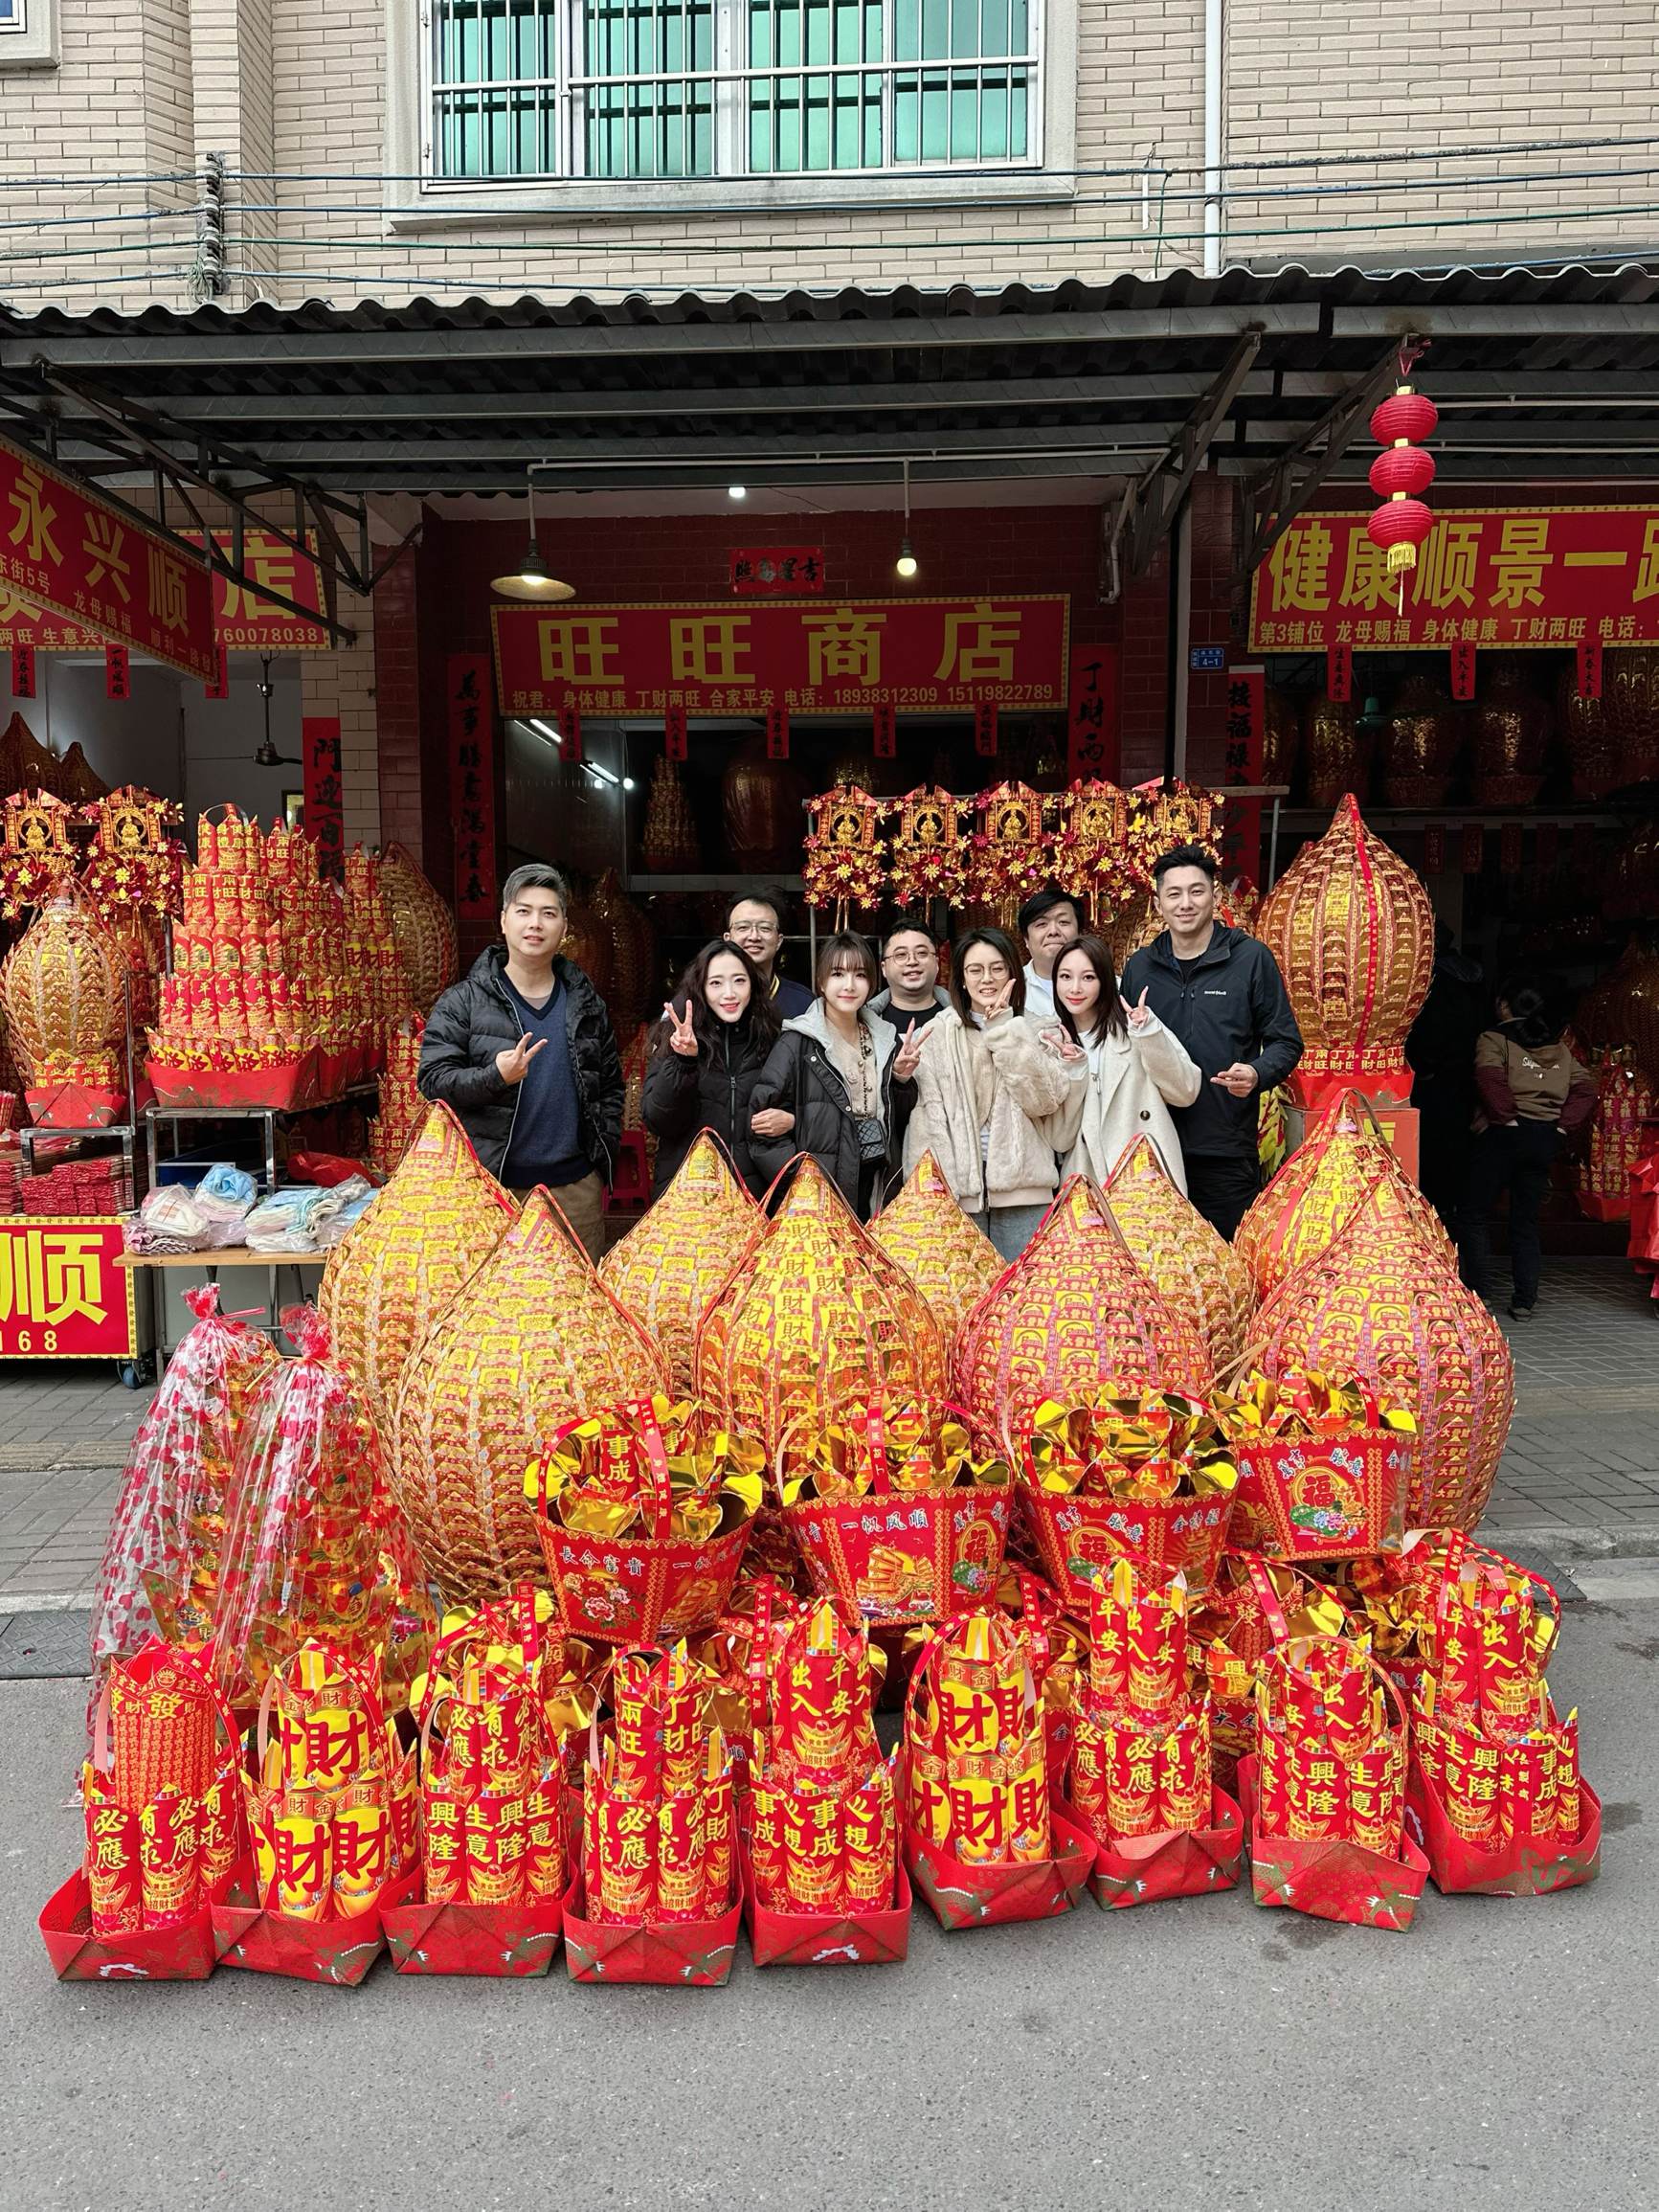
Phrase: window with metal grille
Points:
(706, 88)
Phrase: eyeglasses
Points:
(752, 929)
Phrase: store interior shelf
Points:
(643, 883)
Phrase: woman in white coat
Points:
(992, 1095)
(1137, 1068)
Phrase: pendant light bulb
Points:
(907, 563)
(532, 579)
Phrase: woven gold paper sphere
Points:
(1383, 1305)
(1073, 1310)
(61, 986)
(441, 1214)
(531, 1340)
(671, 1263)
(1352, 932)
(422, 926)
(815, 1317)
(950, 1260)
(1200, 1276)
(1304, 1208)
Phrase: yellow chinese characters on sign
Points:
(1495, 577)
(62, 1293)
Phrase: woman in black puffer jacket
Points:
(707, 1053)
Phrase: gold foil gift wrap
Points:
(814, 1317)
(1307, 1206)
(528, 1341)
(1383, 1306)
(1332, 1747)
(422, 926)
(1073, 1311)
(950, 1261)
(1353, 931)
(1251, 1605)
(439, 1218)
(671, 1263)
(62, 989)
(1199, 1274)
(1420, 744)
(977, 1774)
(643, 1510)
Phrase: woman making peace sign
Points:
(706, 1054)
(1137, 1069)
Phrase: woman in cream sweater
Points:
(992, 1095)
(1136, 1069)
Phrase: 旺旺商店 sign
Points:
(1496, 576)
(828, 658)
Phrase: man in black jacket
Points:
(522, 1049)
(1223, 995)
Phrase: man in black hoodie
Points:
(522, 1049)
(1221, 993)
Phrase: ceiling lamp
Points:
(531, 579)
(906, 564)
(737, 491)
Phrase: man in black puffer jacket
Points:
(522, 1052)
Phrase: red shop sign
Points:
(826, 658)
(246, 623)
(325, 792)
(788, 570)
(62, 1293)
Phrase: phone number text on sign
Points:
(62, 1294)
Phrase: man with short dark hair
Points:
(522, 1052)
(754, 924)
(1048, 921)
(911, 964)
(1221, 992)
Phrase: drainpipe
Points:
(1212, 75)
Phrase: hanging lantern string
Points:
(1401, 425)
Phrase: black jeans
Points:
(1517, 1159)
(1222, 1186)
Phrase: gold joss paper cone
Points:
(1199, 1274)
(1383, 1305)
(422, 926)
(813, 1319)
(949, 1261)
(668, 1267)
(439, 1217)
(1073, 1311)
(531, 1340)
(1308, 1203)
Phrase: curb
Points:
(1558, 1542)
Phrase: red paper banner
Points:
(1463, 671)
(1510, 848)
(1339, 672)
(1474, 849)
(1434, 848)
(25, 626)
(1091, 733)
(790, 569)
(1590, 669)
(68, 552)
(324, 791)
(1484, 576)
(23, 671)
(1242, 733)
(778, 734)
(569, 734)
(218, 684)
(61, 1292)
(985, 731)
(117, 673)
(1548, 847)
(472, 786)
(246, 623)
(827, 658)
(674, 732)
(884, 733)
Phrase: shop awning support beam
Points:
(1155, 497)
(1272, 501)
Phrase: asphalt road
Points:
(1201, 2052)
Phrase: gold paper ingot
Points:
(1073, 1311)
(672, 1262)
(442, 1216)
(531, 1340)
(1199, 1274)
(949, 1258)
(1382, 1306)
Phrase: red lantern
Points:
(1398, 474)
(1403, 469)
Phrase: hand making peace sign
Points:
(1140, 1013)
(682, 1036)
(908, 1056)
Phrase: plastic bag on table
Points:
(168, 1211)
(313, 1546)
(161, 1562)
(225, 1194)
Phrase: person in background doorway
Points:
(911, 964)
(1137, 1068)
(1049, 922)
(1439, 1052)
(994, 1098)
(1532, 1093)
(1221, 994)
(706, 1054)
(754, 924)
(523, 1051)
(840, 1082)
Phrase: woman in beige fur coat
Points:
(993, 1095)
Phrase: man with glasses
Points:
(910, 965)
(754, 924)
